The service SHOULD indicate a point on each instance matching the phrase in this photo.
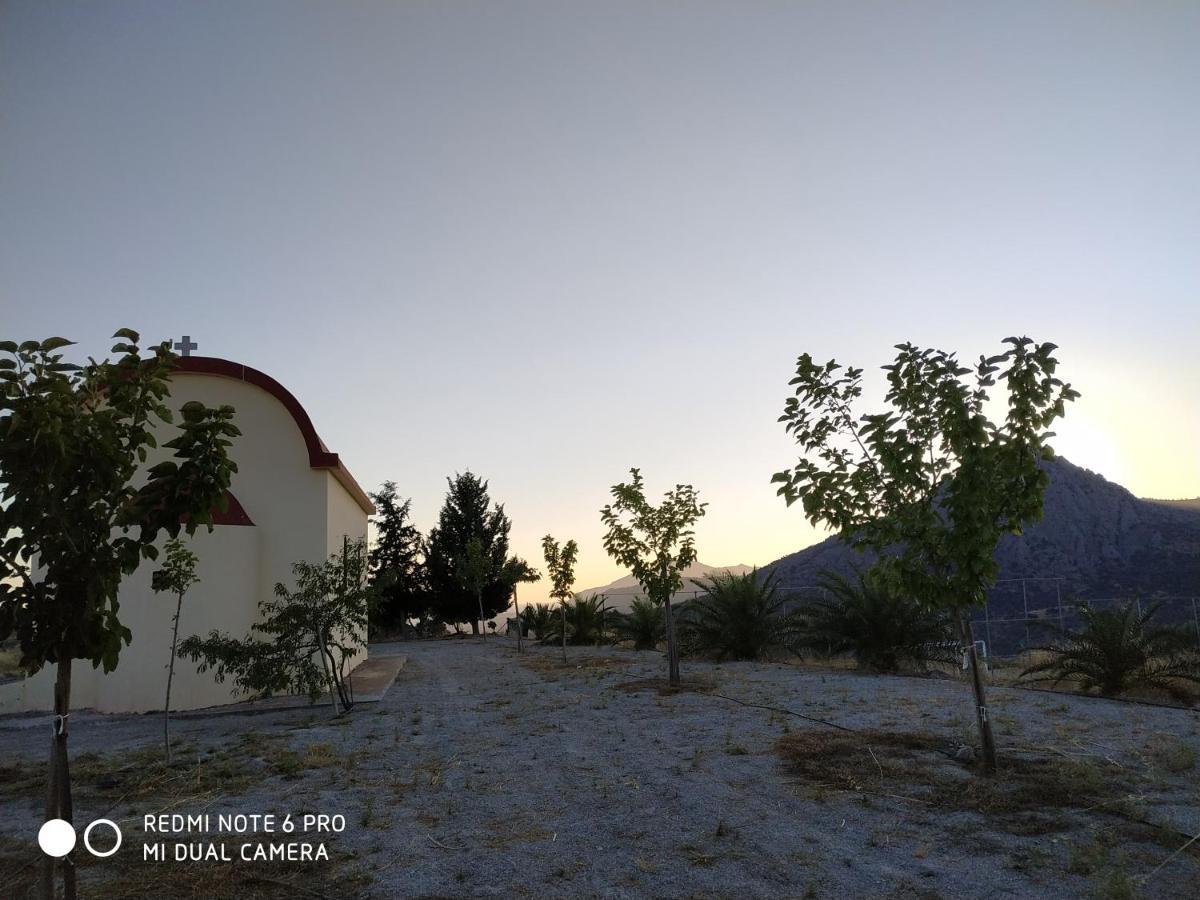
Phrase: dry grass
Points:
(117, 784)
(693, 684)
(545, 663)
(126, 875)
(105, 781)
(505, 832)
(1026, 796)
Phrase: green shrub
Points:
(539, 619)
(738, 617)
(1119, 649)
(883, 630)
(588, 622)
(644, 624)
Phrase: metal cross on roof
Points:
(186, 346)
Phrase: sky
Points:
(550, 241)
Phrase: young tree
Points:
(324, 618)
(397, 572)
(931, 483)
(79, 510)
(475, 572)
(656, 544)
(515, 571)
(560, 567)
(467, 513)
(178, 573)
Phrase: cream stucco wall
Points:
(298, 513)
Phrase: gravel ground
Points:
(481, 774)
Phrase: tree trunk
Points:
(672, 647)
(982, 716)
(563, 606)
(170, 678)
(58, 793)
(517, 605)
(482, 623)
(326, 664)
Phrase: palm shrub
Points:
(538, 619)
(588, 622)
(883, 629)
(737, 617)
(1120, 649)
(644, 624)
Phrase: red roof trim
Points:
(319, 456)
(234, 514)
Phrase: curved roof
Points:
(319, 456)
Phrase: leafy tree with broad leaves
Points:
(560, 568)
(80, 508)
(476, 569)
(324, 618)
(467, 513)
(397, 569)
(931, 483)
(176, 576)
(656, 544)
(516, 571)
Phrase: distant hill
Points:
(1095, 536)
(621, 592)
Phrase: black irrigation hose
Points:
(780, 709)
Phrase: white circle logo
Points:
(57, 837)
(87, 833)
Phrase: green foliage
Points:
(931, 478)
(737, 617)
(176, 576)
(475, 568)
(74, 493)
(560, 567)
(309, 633)
(178, 570)
(588, 622)
(539, 619)
(644, 624)
(1117, 650)
(882, 628)
(397, 570)
(517, 571)
(468, 513)
(656, 543)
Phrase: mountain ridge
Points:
(621, 593)
(1095, 539)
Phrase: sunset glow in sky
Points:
(551, 241)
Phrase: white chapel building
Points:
(291, 499)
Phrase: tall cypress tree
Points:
(467, 514)
(396, 564)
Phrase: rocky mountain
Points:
(621, 592)
(1095, 540)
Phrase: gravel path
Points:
(483, 775)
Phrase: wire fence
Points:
(1020, 614)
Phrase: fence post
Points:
(1025, 604)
